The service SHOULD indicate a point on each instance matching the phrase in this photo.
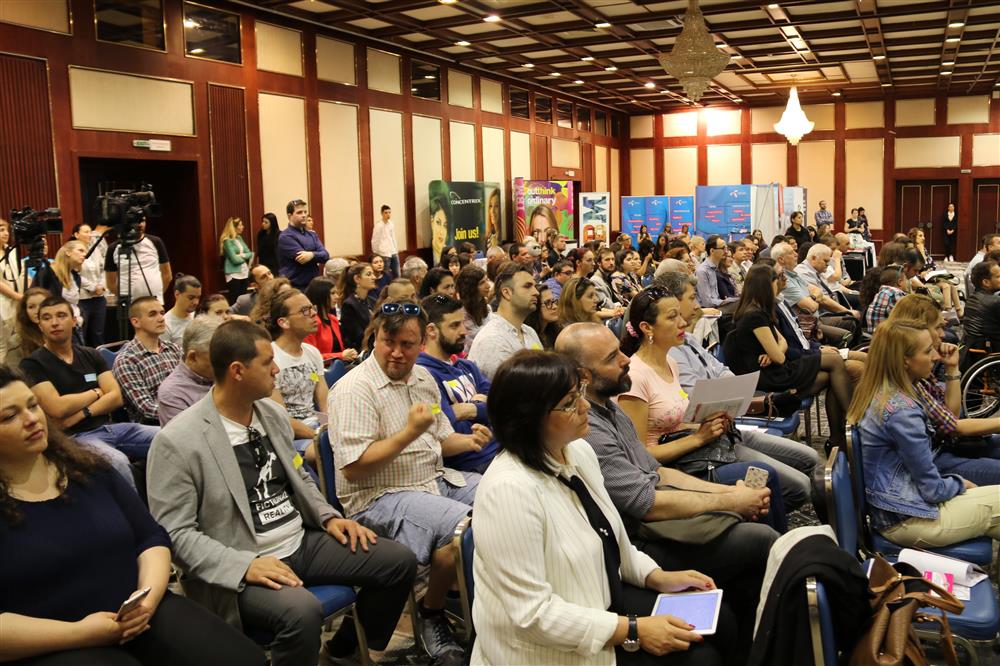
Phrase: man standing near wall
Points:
(384, 241)
(823, 216)
(300, 251)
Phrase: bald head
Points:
(843, 242)
(579, 339)
(595, 350)
(818, 250)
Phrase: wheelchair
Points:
(980, 384)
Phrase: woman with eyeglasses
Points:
(545, 318)
(76, 542)
(355, 284)
(474, 290)
(626, 281)
(557, 579)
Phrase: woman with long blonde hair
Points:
(237, 258)
(912, 502)
(578, 302)
(62, 278)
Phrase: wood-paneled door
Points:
(922, 204)
(985, 214)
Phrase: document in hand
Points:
(965, 575)
(731, 395)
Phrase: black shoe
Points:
(436, 637)
(344, 643)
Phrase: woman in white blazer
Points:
(544, 593)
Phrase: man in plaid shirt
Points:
(893, 281)
(145, 361)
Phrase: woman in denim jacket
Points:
(912, 503)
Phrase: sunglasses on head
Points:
(408, 309)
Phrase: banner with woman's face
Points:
(464, 212)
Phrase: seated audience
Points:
(584, 261)
(806, 289)
(78, 392)
(506, 332)
(335, 267)
(438, 281)
(892, 287)
(545, 319)
(299, 385)
(626, 281)
(709, 275)
(912, 502)
(601, 279)
(73, 526)
(462, 386)
(982, 309)
(192, 378)
(382, 276)
(26, 321)
(399, 289)
(262, 307)
(697, 247)
(355, 284)
(414, 270)
(757, 344)
(579, 302)
(187, 294)
(214, 305)
(451, 263)
(474, 290)
(562, 271)
(145, 360)
(323, 294)
(250, 560)
(259, 276)
(587, 600)
(389, 437)
(741, 254)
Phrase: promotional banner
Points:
(724, 210)
(595, 217)
(793, 199)
(681, 213)
(659, 214)
(463, 211)
(541, 205)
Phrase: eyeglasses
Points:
(307, 311)
(550, 304)
(568, 271)
(437, 298)
(578, 395)
(408, 309)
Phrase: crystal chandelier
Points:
(695, 60)
(793, 124)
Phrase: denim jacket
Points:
(901, 480)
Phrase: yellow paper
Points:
(297, 461)
(435, 408)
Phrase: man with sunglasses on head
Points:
(506, 334)
(249, 527)
(389, 436)
(463, 387)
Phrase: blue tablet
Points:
(698, 608)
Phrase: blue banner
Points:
(633, 215)
(724, 210)
(656, 215)
(681, 213)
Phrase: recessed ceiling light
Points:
(188, 23)
(529, 65)
(948, 63)
(411, 90)
(587, 58)
(447, 2)
(462, 43)
(878, 57)
(611, 68)
(952, 39)
(773, 5)
(196, 51)
(736, 57)
(649, 84)
(491, 18)
(579, 82)
(555, 73)
(957, 24)
(429, 76)
(886, 85)
(602, 24)
(946, 72)
(836, 94)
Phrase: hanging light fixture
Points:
(793, 124)
(695, 60)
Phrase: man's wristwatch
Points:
(631, 643)
(86, 412)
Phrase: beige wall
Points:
(641, 172)
(520, 155)
(722, 121)
(283, 152)
(985, 149)
(641, 127)
(680, 171)
(383, 71)
(816, 173)
(341, 166)
(459, 88)
(913, 112)
(680, 124)
(566, 153)
(616, 190)
(724, 165)
(335, 61)
(864, 114)
(387, 162)
(44, 14)
(601, 182)
(427, 166)
(491, 95)
(864, 186)
(279, 49)
(158, 106)
(769, 162)
(933, 151)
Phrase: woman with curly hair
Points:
(262, 306)
(474, 288)
(72, 525)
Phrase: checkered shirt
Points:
(140, 372)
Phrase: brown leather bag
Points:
(891, 639)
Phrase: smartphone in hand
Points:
(132, 603)
(756, 477)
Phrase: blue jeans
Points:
(394, 266)
(982, 471)
(733, 472)
(132, 439)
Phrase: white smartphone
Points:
(756, 477)
(132, 603)
(698, 608)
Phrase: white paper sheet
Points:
(731, 395)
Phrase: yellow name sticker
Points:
(435, 408)
(297, 461)
(684, 394)
(536, 346)
(314, 377)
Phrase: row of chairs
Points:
(976, 628)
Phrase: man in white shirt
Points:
(384, 240)
(300, 385)
(505, 334)
(187, 295)
(991, 242)
(148, 267)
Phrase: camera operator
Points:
(93, 303)
(10, 293)
(149, 267)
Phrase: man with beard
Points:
(389, 435)
(463, 387)
(646, 493)
(506, 334)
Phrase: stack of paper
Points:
(965, 574)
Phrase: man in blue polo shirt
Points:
(300, 251)
(463, 387)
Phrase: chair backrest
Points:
(336, 370)
(821, 624)
(109, 351)
(855, 460)
(466, 585)
(840, 507)
(327, 474)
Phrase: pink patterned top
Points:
(667, 400)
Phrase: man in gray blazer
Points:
(249, 526)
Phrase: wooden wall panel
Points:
(230, 176)
(27, 161)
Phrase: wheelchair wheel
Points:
(981, 388)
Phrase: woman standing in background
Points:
(267, 242)
(237, 258)
(10, 294)
(93, 303)
(950, 222)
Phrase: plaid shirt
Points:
(930, 392)
(883, 303)
(140, 372)
(365, 407)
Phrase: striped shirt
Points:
(365, 406)
(140, 372)
(883, 303)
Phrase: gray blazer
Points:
(197, 493)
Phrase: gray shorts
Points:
(421, 521)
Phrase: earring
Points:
(650, 338)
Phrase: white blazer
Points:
(541, 591)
